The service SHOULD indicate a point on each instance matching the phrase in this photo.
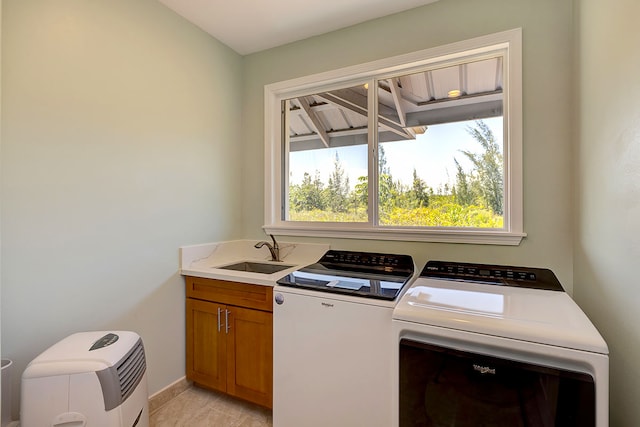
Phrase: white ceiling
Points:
(249, 26)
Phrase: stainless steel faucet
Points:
(274, 249)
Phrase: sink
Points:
(256, 267)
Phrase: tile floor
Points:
(197, 407)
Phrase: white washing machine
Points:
(496, 346)
(332, 340)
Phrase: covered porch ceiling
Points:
(407, 105)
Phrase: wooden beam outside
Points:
(315, 120)
(353, 105)
(397, 101)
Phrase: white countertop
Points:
(206, 259)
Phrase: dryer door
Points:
(445, 387)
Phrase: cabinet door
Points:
(250, 355)
(206, 344)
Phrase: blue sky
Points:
(431, 154)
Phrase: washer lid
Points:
(359, 274)
(541, 316)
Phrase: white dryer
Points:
(496, 345)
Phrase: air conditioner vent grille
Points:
(131, 369)
(119, 381)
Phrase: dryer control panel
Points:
(524, 277)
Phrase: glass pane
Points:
(326, 149)
(440, 152)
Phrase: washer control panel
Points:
(368, 262)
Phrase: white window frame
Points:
(510, 42)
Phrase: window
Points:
(425, 146)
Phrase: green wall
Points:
(607, 172)
(119, 144)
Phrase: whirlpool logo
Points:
(484, 369)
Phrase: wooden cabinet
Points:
(230, 338)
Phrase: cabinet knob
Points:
(279, 299)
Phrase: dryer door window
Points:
(446, 387)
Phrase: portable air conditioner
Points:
(91, 379)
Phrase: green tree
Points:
(388, 190)
(462, 190)
(337, 190)
(361, 191)
(419, 194)
(309, 195)
(487, 177)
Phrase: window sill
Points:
(364, 231)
